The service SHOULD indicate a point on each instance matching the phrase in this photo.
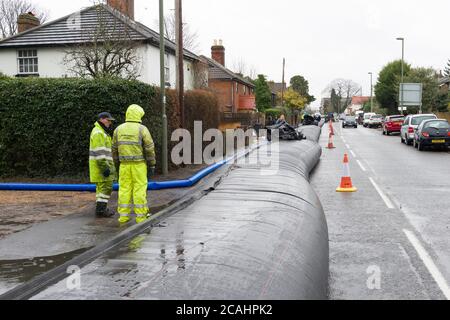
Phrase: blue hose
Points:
(151, 186)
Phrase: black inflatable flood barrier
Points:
(256, 236)
(260, 234)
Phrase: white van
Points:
(366, 118)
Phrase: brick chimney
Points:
(124, 6)
(218, 52)
(27, 21)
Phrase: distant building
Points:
(357, 104)
(276, 88)
(444, 84)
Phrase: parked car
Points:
(432, 133)
(375, 121)
(366, 118)
(392, 124)
(410, 124)
(349, 121)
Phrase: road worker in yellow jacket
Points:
(133, 148)
(101, 165)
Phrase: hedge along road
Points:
(253, 237)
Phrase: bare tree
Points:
(10, 11)
(108, 51)
(253, 73)
(345, 90)
(201, 73)
(240, 66)
(190, 38)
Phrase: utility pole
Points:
(179, 57)
(401, 85)
(371, 93)
(282, 84)
(162, 52)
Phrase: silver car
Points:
(411, 123)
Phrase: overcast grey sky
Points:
(320, 39)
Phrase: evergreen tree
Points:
(262, 93)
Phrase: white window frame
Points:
(27, 62)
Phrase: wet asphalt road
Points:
(393, 243)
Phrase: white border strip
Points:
(431, 266)
(353, 154)
(382, 195)
(360, 164)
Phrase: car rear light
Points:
(410, 130)
(426, 134)
(448, 134)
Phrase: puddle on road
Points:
(15, 272)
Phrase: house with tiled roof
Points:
(40, 50)
(235, 93)
(357, 104)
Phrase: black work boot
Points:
(102, 211)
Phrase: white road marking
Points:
(382, 195)
(431, 266)
(353, 154)
(348, 147)
(360, 164)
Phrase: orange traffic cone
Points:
(346, 180)
(330, 142)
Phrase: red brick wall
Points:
(223, 91)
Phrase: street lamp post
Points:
(371, 93)
(403, 59)
(162, 48)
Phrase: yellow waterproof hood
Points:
(135, 113)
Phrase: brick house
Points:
(235, 93)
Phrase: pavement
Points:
(390, 239)
(48, 240)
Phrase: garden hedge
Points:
(45, 123)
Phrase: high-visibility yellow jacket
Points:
(132, 141)
(100, 155)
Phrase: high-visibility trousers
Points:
(103, 191)
(133, 185)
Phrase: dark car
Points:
(349, 121)
(432, 133)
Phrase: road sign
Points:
(402, 109)
(411, 94)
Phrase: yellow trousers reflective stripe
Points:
(103, 191)
(133, 188)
